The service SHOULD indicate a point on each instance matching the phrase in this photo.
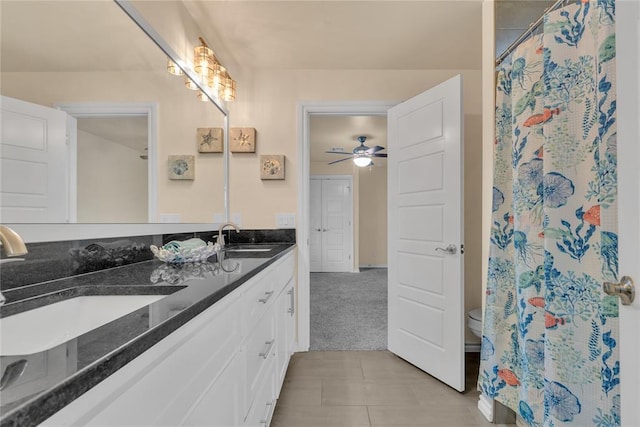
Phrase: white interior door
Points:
(425, 290)
(331, 234)
(315, 221)
(33, 144)
(628, 57)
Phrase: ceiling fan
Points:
(362, 155)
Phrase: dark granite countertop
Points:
(93, 356)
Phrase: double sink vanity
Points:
(152, 344)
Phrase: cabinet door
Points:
(160, 386)
(285, 325)
(265, 401)
(223, 404)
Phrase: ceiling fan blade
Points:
(379, 155)
(344, 153)
(374, 149)
(338, 161)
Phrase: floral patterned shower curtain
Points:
(550, 335)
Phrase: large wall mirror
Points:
(127, 118)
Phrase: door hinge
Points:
(462, 248)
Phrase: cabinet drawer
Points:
(223, 404)
(260, 348)
(258, 299)
(265, 401)
(284, 272)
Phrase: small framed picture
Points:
(182, 167)
(272, 166)
(210, 140)
(242, 140)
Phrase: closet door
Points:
(331, 234)
(315, 234)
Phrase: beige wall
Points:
(179, 115)
(473, 207)
(277, 94)
(274, 114)
(373, 215)
(112, 181)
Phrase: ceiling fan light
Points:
(362, 161)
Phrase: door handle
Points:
(626, 289)
(451, 249)
(324, 229)
(318, 229)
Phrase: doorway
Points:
(412, 124)
(306, 111)
(93, 116)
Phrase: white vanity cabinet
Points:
(223, 368)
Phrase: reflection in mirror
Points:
(92, 55)
(123, 139)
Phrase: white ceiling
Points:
(360, 34)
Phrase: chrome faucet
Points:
(221, 241)
(12, 246)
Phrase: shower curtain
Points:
(550, 335)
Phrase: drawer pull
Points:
(267, 296)
(292, 308)
(268, 414)
(266, 352)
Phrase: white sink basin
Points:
(46, 327)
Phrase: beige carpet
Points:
(349, 310)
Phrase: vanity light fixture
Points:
(173, 68)
(204, 60)
(210, 72)
(202, 96)
(190, 84)
(217, 80)
(229, 91)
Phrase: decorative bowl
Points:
(189, 251)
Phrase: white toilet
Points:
(474, 321)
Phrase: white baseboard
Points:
(373, 266)
(472, 347)
(485, 405)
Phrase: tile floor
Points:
(371, 388)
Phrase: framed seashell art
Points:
(210, 140)
(182, 167)
(242, 140)
(272, 166)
